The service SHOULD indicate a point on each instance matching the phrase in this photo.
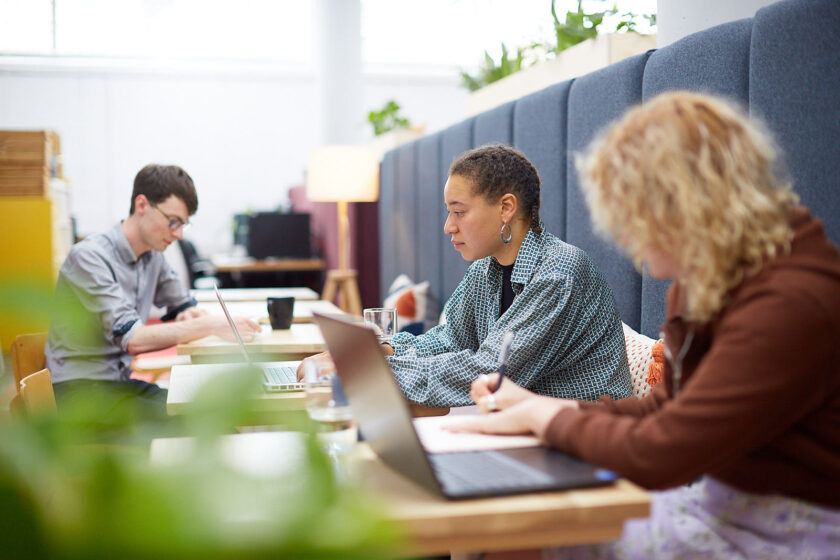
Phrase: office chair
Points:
(36, 392)
(28, 355)
(199, 270)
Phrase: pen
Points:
(504, 354)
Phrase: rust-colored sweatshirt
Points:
(758, 405)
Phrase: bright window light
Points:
(26, 26)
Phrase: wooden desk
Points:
(292, 344)
(437, 526)
(257, 309)
(186, 379)
(255, 294)
(248, 264)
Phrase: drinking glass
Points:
(383, 320)
(327, 407)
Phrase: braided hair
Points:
(495, 170)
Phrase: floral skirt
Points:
(712, 520)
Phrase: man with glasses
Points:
(105, 291)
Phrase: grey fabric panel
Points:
(795, 89)
(405, 212)
(653, 305)
(595, 100)
(539, 131)
(713, 61)
(454, 141)
(387, 241)
(495, 126)
(431, 216)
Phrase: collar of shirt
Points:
(124, 250)
(525, 265)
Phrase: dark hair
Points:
(159, 182)
(495, 170)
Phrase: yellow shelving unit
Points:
(35, 231)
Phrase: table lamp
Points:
(343, 174)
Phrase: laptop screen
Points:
(232, 324)
(377, 402)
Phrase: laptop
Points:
(385, 421)
(278, 377)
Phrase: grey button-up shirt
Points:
(103, 295)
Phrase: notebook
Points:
(385, 422)
(278, 376)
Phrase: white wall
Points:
(241, 130)
(677, 18)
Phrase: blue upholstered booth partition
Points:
(454, 141)
(716, 61)
(539, 131)
(795, 88)
(784, 64)
(595, 100)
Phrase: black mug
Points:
(280, 312)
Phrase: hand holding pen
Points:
(504, 354)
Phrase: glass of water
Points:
(327, 407)
(383, 320)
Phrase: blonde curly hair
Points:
(691, 176)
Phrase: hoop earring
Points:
(506, 239)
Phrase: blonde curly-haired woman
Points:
(741, 441)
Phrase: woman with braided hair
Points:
(568, 336)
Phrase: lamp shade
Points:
(342, 173)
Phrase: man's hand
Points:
(190, 313)
(247, 328)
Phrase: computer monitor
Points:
(272, 234)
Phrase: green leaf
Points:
(387, 118)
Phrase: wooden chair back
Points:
(28, 355)
(36, 391)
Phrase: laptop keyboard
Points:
(487, 470)
(280, 375)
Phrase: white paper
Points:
(437, 440)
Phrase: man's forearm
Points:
(149, 338)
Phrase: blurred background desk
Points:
(245, 272)
(255, 294)
(269, 408)
(186, 380)
(291, 344)
(258, 311)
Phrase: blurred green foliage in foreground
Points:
(77, 487)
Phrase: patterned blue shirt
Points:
(569, 341)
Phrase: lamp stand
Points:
(343, 281)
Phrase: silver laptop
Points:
(385, 422)
(277, 376)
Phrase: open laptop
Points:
(385, 421)
(277, 376)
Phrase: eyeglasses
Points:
(174, 223)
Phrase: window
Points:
(206, 29)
